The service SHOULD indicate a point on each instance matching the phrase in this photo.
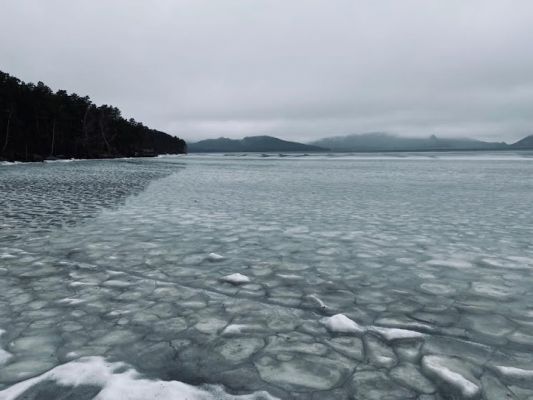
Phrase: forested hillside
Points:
(36, 124)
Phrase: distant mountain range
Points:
(366, 142)
(525, 143)
(378, 141)
(264, 144)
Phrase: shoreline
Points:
(66, 160)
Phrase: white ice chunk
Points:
(405, 324)
(234, 329)
(214, 257)
(80, 283)
(439, 368)
(4, 356)
(115, 273)
(319, 302)
(117, 383)
(340, 323)
(71, 301)
(390, 334)
(238, 329)
(236, 278)
(515, 373)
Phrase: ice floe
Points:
(211, 325)
(19, 369)
(236, 278)
(493, 389)
(376, 385)
(215, 257)
(515, 374)
(390, 334)
(240, 349)
(379, 354)
(442, 369)
(303, 372)
(410, 376)
(340, 323)
(349, 346)
(4, 355)
(240, 329)
(87, 271)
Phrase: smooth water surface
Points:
(114, 277)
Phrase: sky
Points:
(296, 69)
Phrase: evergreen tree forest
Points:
(38, 124)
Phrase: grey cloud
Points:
(299, 69)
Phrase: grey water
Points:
(393, 276)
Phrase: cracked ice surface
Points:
(305, 278)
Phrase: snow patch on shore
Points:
(118, 381)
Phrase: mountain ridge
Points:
(262, 143)
(382, 141)
(525, 143)
(365, 142)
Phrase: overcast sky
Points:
(297, 69)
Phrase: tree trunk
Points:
(85, 131)
(102, 131)
(53, 137)
(6, 141)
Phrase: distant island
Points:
(366, 142)
(263, 144)
(380, 141)
(38, 124)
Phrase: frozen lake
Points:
(367, 277)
